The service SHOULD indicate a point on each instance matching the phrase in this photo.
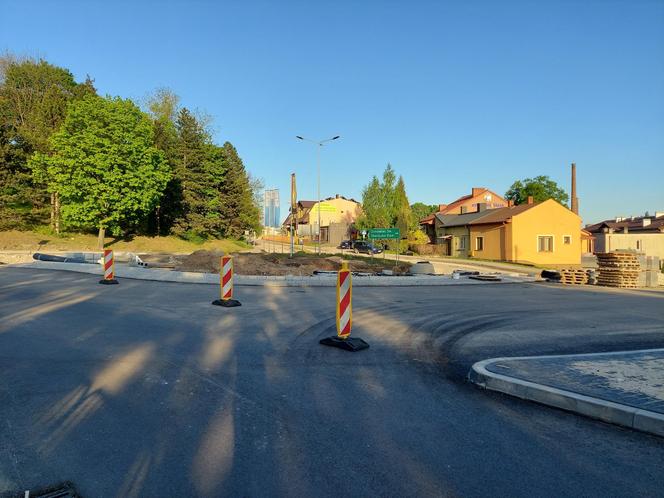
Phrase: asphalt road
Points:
(145, 389)
(442, 265)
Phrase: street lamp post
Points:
(319, 144)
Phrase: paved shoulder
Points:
(625, 388)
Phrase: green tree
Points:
(421, 210)
(374, 214)
(540, 188)
(163, 106)
(389, 200)
(383, 201)
(239, 211)
(199, 172)
(404, 217)
(104, 165)
(34, 96)
(15, 183)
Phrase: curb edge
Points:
(607, 411)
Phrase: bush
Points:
(193, 237)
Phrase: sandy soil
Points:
(279, 264)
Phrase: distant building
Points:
(639, 233)
(271, 213)
(471, 202)
(337, 215)
(479, 196)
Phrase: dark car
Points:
(346, 244)
(362, 246)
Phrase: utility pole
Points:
(319, 144)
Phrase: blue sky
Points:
(452, 94)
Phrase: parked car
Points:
(362, 246)
(346, 244)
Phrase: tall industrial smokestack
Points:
(574, 205)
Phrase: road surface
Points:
(145, 389)
(441, 265)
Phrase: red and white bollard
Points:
(344, 303)
(344, 320)
(109, 268)
(226, 284)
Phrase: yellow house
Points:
(337, 214)
(544, 233)
(337, 209)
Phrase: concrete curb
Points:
(607, 411)
(122, 271)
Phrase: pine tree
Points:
(403, 219)
(238, 208)
(199, 174)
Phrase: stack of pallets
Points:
(573, 276)
(618, 269)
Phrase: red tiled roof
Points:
(452, 205)
(428, 220)
(632, 224)
(501, 215)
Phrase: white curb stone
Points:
(608, 411)
(123, 271)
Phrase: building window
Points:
(462, 243)
(638, 245)
(479, 243)
(567, 239)
(545, 243)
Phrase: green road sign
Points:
(384, 233)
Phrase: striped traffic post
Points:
(109, 268)
(226, 284)
(344, 302)
(344, 315)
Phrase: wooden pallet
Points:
(618, 269)
(573, 276)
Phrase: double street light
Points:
(319, 144)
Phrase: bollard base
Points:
(111, 281)
(227, 303)
(351, 344)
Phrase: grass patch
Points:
(43, 240)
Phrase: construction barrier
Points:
(344, 303)
(226, 284)
(344, 318)
(108, 264)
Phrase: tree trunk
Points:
(57, 212)
(158, 213)
(100, 238)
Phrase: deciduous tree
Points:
(421, 210)
(34, 96)
(540, 188)
(104, 165)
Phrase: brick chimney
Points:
(477, 191)
(510, 203)
(574, 204)
(530, 199)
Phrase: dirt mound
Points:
(200, 261)
(279, 264)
